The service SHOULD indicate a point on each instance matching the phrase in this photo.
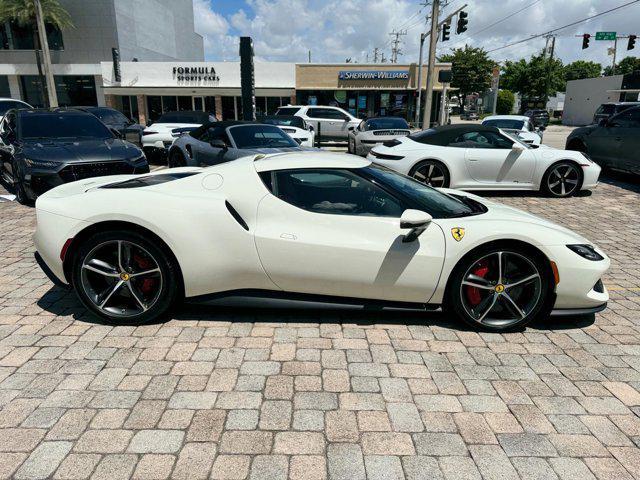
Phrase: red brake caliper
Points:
(473, 293)
(144, 264)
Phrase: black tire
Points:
(538, 305)
(167, 293)
(176, 159)
(420, 172)
(18, 187)
(350, 146)
(561, 180)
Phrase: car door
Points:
(492, 160)
(604, 142)
(332, 232)
(625, 131)
(204, 153)
(329, 123)
(8, 130)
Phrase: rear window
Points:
(386, 123)
(285, 121)
(6, 105)
(287, 110)
(505, 123)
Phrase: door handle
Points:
(618, 139)
(288, 236)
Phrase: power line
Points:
(503, 19)
(564, 26)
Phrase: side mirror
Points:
(310, 128)
(603, 122)
(115, 132)
(351, 129)
(217, 143)
(417, 221)
(517, 147)
(542, 128)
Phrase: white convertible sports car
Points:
(311, 226)
(479, 157)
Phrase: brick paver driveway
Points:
(232, 394)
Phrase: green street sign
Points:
(605, 35)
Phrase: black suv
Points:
(610, 109)
(112, 118)
(539, 117)
(41, 149)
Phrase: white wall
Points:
(584, 96)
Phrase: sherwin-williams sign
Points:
(373, 75)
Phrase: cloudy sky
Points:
(285, 30)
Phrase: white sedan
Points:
(310, 227)
(479, 157)
(159, 136)
(518, 125)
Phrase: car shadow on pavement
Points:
(624, 180)
(63, 302)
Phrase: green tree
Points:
(23, 13)
(581, 69)
(540, 77)
(471, 70)
(626, 65)
(505, 102)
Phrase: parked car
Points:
(40, 149)
(311, 227)
(610, 109)
(219, 142)
(7, 104)
(539, 117)
(613, 142)
(127, 128)
(480, 157)
(375, 131)
(159, 135)
(329, 123)
(294, 126)
(469, 115)
(517, 124)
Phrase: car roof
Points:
(53, 111)
(7, 99)
(620, 103)
(506, 117)
(308, 159)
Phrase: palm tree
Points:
(24, 13)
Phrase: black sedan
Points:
(112, 118)
(218, 142)
(41, 149)
(613, 142)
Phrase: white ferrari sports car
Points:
(309, 227)
(479, 157)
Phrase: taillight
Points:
(65, 247)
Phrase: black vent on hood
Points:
(149, 180)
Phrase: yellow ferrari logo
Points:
(499, 288)
(457, 233)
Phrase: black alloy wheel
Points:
(124, 277)
(499, 289)
(432, 173)
(562, 180)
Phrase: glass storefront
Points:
(16, 37)
(157, 105)
(72, 90)
(5, 92)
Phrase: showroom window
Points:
(328, 191)
(16, 37)
(129, 106)
(5, 91)
(78, 90)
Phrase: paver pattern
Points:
(235, 394)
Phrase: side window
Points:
(335, 192)
(214, 133)
(325, 113)
(481, 140)
(627, 119)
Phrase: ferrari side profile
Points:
(480, 157)
(309, 227)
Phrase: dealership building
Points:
(162, 68)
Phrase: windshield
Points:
(66, 125)
(505, 123)
(260, 136)
(284, 121)
(109, 116)
(197, 118)
(516, 138)
(6, 105)
(432, 201)
(287, 110)
(386, 123)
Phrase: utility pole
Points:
(549, 64)
(44, 45)
(433, 40)
(615, 47)
(423, 36)
(375, 55)
(395, 49)
(382, 59)
(309, 56)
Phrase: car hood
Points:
(81, 150)
(268, 150)
(586, 130)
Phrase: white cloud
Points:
(285, 30)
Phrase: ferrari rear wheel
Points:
(432, 173)
(124, 278)
(499, 289)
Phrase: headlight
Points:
(586, 251)
(40, 163)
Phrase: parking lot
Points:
(233, 394)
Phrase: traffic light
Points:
(632, 42)
(445, 32)
(585, 40)
(462, 22)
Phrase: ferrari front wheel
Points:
(499, 289)
(124, 278)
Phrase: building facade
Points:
(142, 30)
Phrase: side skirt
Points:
(277, 299)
